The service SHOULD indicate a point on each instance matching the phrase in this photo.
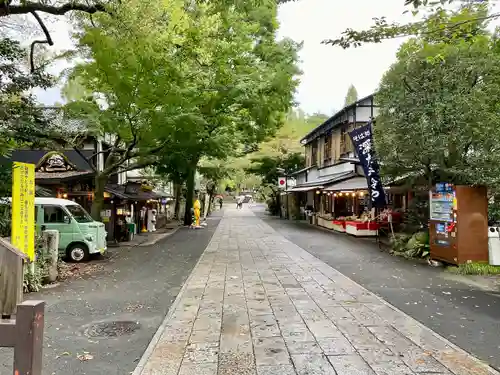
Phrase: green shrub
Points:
(411, 246)
(483, 269)
(34, 277)
(399, 241)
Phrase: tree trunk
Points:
(210, 201)
(177, 197)
(98, 202)
(188, 216)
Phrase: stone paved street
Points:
(256, 304)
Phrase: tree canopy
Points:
(201, 83)
(439, 111)
(433, 21)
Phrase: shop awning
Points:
(115, 191)
(304, 188)
(321, 182)
(355, 183)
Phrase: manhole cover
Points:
(112, 329)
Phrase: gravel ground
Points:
(102, 322)
(455, 307)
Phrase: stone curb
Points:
(154, 341)
(161, 237)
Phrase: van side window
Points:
(53, 214)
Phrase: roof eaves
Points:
(334, 117)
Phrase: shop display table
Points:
(339, 225)
(361, 228)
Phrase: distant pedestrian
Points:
(220, 203)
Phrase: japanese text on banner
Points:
(23, 208)
(362, 139)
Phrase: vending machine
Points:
(458, 223)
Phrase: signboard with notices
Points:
(23, 208)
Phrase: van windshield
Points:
(80, 215)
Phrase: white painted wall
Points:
(301, 177)
(338, 168)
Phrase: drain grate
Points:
(112, 329)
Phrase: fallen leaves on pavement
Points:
(86, 356)
(71, 270)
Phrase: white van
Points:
(79, 235)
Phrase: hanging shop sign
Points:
(362, 139)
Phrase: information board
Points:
(23, 208)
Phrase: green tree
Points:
(351, 96)
(439, 111)
(137, 85)
(243, 83)
(17, 106)
(286, 141)
(270, 169)
(434, 22)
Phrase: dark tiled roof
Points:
(140, 195)
(34, 156)
(313, 134)
(327, 180)
(61, 175)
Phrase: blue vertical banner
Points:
(362, 139)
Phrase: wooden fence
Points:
(21, 323)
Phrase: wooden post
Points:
(11, 278)
(29, 338)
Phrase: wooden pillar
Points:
(29, 338)
(11, 278)
(356, 203)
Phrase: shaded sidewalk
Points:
(148, 238)
(101, 323)
(258, 304)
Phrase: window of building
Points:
(314, 153)
(327, 154)
(343, 140)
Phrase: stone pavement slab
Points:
(257, 304)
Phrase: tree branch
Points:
(135, 166)
(48, 40)
(29, 7)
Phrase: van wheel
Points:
(78, 252)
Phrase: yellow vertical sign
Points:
(23, 208)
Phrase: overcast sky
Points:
(327, 71)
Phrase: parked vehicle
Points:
(79, 235)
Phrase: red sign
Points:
(281, 181)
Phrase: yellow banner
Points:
(23, 208)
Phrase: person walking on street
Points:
(239, 203)
(220, 203)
